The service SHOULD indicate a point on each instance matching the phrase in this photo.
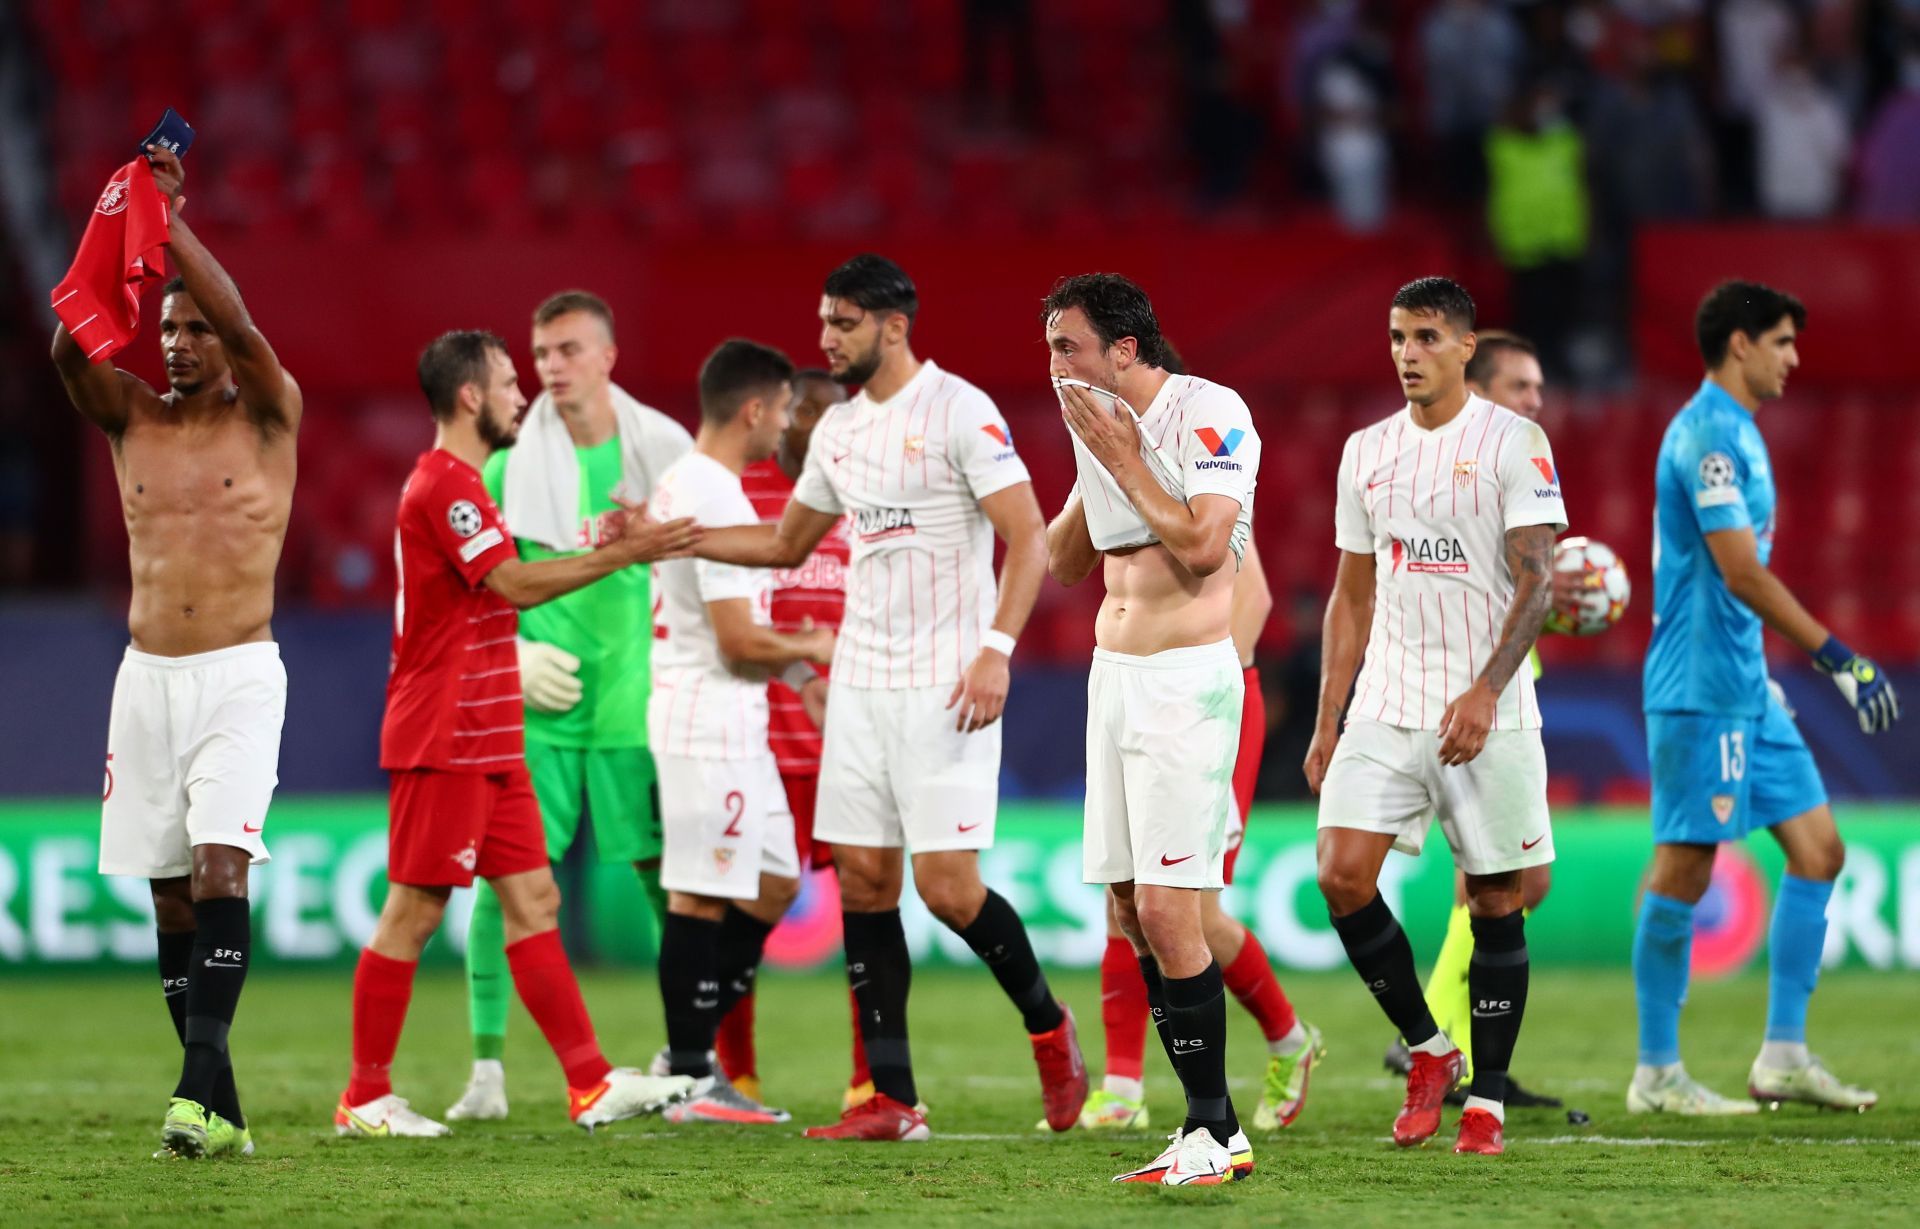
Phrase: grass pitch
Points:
(86, 1064)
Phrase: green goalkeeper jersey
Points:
(608, 625)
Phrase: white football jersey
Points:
(1197, 438)
(1433, 508)
(909, 474)
(699, 707)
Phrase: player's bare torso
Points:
(1153, 604)
(206, 491)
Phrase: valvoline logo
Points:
(1545, 467)
(999, 433)
(1217, 446)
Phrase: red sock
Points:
(1253, 741)
(862, 1074)
(545, 981)
(1251, 979)
(1123, 1009)
(734, 1040)
(382, 988)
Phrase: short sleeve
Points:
(1219, 450)
(813, 488)
(1529, 483)
(465, 524)
(718, 582)
(1711, 468)
(981, 446)
(1352, 527)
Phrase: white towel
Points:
(541, 490)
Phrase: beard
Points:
(862, 370)
(496, 436)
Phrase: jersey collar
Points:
(1712, 396)
(928, 370)
(1475, 404)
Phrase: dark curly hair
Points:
(1116, 307)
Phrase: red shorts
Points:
(449, 827)
(1246, 766)
(802, 792)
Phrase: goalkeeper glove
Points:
(1864, 684)
(549, 677)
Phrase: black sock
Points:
(880, 973)
(1157, 1007)
(1380, 953)
(742, 944)
(1197, 1018)
(216, 972)
(999, 938)
(1497, 987)
(176, 955)
(689, 991)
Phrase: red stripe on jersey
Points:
(1446, 660)
(1393, 479)
(1421, 600)
(1479, 457)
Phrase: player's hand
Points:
(818, 641)
(549, 677)
(1864, 684)
(1109, 434)
(1463, 727)
(644, 540)
(981, 693)
(1567, 588)
(1320, 754)
(813, 700)
(168, 174)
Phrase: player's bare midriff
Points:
(1153, 604)
(206, 502)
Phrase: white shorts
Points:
(1493, 809)
(724, 823)
(1162, 736)
(894, 772)
(193, 754)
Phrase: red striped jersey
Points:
(1433, 508)
(453, 693)
(909, 474)
(816, 590)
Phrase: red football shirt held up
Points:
(816, 590)
(453, 697)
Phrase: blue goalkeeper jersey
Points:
(1713, 474)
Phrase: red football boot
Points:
(1480, 1133)
(1063, 1072)
(879, 1118)
(1427, 1087)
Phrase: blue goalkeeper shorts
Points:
(1718, 778)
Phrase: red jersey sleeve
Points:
(466, 524)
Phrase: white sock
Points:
(1651, 1077)
(1121, 1086)
(1295, 1038)
(488, 1066)
(1784, 1055)
(1435, 1046)
(1492, 1107)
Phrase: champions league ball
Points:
(1604, 588)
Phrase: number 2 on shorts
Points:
(736, 804)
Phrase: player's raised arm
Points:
(1198, 533)
(100, 390)
(1343, 642)
(1070, 554)
(264, 385)
(1864, 684)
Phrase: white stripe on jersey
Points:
(909, 474)
(1434, 508)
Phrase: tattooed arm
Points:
(1464, 726)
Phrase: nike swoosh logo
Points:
(1166, 861)
(252, 827)
(705, 1004)
(1526, 845)
(363, 1125)
(843, 456)
(971, 827)
(1489, 1015)
(1382, 482)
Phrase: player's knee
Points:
(1535, 883)
(534, 907)
(956, 904)
(778, 893)
(1345, 888)
(172, 909)
(1820, 862)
